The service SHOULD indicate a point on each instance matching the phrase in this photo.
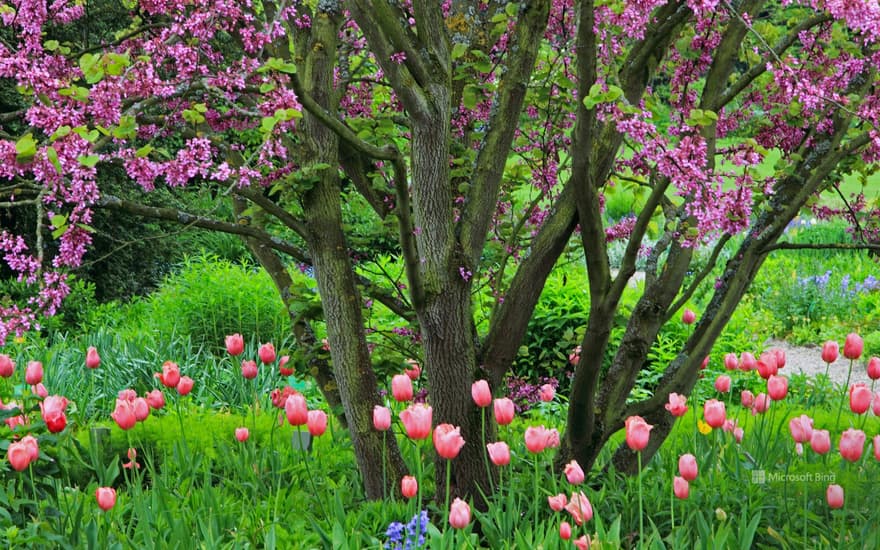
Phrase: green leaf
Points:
(267, 87)
(459, 49)
(86, 228)
(200, 108)
(59, 133)
(144, 151)
(52, 155)
(88, 160)
(25, 147)
(511, 9)
(267, 124)
(276, 64)
(58, 220)
(58, 232)
(469, 96)
(51, 45)
(127, 127)
(193, 116)
(91, 67)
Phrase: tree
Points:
(483, 136)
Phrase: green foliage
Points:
(210, 298)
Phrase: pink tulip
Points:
(688, 317)
(481, 393)
(413, 370)
(127, 394)
(296, 409)
(242, 434)
(565, 530)
(33, 375)
(132, 459)
(580, 508)
(19, 456)
(637, 432)
(317, 422)
(504, 411)
(124, 414)
(859, 398)
(730, 361)
(747, 399)
(557, 503)
(853, 346)
(170, 375)
(767, 365)
(448, 441)
(106, 497)
(409, 487)
(681, 487)
(834, 496)
(801, 428)
(876, 442)
(249, 369)
(687, 466)
(267, 353)
(574, 473)
(546, 393)
(705, 363)
(499, 453)
(53, 413)
(820, 441)
(575, 356)
(40, 390)
(852, 443)
(762, 403)
(551, 439)
(141, 408)
(722, 383)
(381, 418)
(7, 366)
(30, 443)
(777, 387)
(714, 413)
(156, 399)
(738, 434)
(459, 514)
(583, 543)
(780, 357)
(93, 360)
(536, 438)
(830, 349)
(677, 405)
(185, 385)
(283, 370)
(234, 344)
(874, 368)
(417, 420)
(401, 388)
(747, 361)
(875, 404)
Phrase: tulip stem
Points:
(448, 482)
(641, 515)
(384, 465)
(672, 507)
(535, 501)
(418, 477)
(845, 391)
(485, 450)
(805, 510)
(305, 460)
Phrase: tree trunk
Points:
(334, 273)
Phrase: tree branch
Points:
(492, 156)
(289, 220)
(193, 220)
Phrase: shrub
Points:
(210, 298)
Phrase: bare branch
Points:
(820, 246)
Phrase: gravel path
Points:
(808, 360)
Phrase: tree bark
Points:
(334, 274)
